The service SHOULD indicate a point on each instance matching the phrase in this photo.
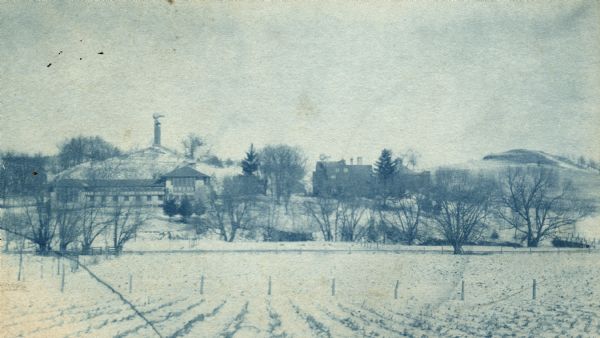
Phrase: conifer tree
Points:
(385, 167)
(185, 208)
(170, 207)
(250, 163)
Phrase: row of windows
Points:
(183, 182)
(183, 189)
(126, 198)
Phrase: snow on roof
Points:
(186, 171)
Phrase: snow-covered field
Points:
(166, 288)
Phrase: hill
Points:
(586, 181)
(148, 163)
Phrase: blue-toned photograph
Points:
(188, 168)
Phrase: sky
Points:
(451, 80)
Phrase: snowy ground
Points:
(235, 300)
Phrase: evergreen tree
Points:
(385, 167)
(170, 207)
(250, 163)
(185, 208)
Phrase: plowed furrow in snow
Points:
(318, 328)
(187, 327)
(109, 320)
(361, 327)
(215, 324)
(234, 326)
(395, 328)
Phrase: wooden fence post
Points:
(130, 283)
(396, 289)
(20, 265)
(62, 281)
(462, 290)
(533, 293)
(269, 290)
(202, 284)
(333, 287)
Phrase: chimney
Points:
(157, 129)
(359, 160)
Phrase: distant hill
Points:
(524, 156)
(586, 180)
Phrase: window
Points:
(115, 198)
(337, 170)
(333, 177)
(149, 198)
(126, 198)
(183, 184)
(160, 197)
(91, 198)
(345, 170)
(103, 199)
(138, 198)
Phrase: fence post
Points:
(58, 266)
(42, 269)
(529, 249)
(20, 265)
(269, 290)
(130, 283)
(462, 291)
(533, 293)
(202, 284)
(62, 281)
(396, 289)
(333, 287)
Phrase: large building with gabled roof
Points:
(147, 176)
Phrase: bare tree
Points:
(82, 149)
(536, 203)
(125, 221)
(325, 211)
(37, 223)
(284, 168)
(92, 225)
(68, 216)
(191, 144)
(216, 214)
(411, 157)
(462, 206)
(406, 215)
(352, 211)
(233, 208)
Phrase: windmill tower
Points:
(157, 129)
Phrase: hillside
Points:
(148, 163)
(585, 180)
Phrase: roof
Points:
(329, 165)
(186, 171)
(130, 183)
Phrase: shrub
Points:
(185, 208)
(170, 207)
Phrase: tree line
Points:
(458, 206)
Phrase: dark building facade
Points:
(335, 178)
(332, 178)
